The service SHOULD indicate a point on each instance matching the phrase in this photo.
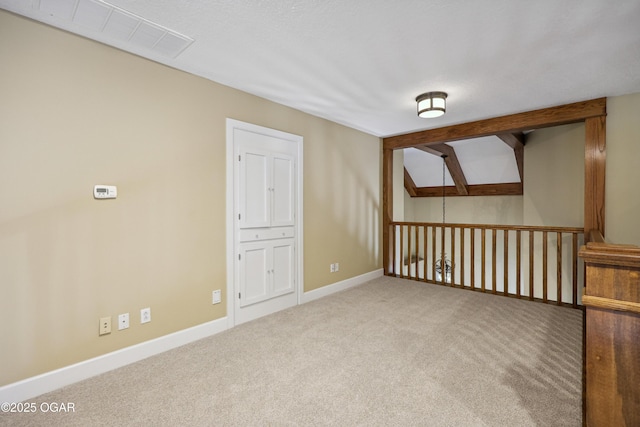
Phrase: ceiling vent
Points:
(117, 24)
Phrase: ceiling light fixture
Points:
(431, 104)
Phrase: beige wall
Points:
(622, 189)
(75, 113)
(468, 210)
(554, 177)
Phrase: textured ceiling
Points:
(361, 63)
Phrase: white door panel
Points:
(283, 192)
(254, 282)
(283, 267)
(255, 202)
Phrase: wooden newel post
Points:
(612, 356)
(387, 209)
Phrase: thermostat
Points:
(105, 192)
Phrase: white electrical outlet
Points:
(216, 297)
(123, 321)
(145, 315)
(105, 326)
(332, 268)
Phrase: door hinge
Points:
(239, 216)
(239, 157)
(239, 295)
(239, 257)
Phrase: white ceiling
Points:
(361, 63)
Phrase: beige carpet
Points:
(391, 352)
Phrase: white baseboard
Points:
(340, 286)
(49, 381)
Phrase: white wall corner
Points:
(341, 286)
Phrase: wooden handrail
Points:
(494, 226)
(597, 252)
(611, 304)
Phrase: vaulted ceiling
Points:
(466, 166)
(361, 63)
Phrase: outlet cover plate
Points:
(123, 321)
(217, 296)
(145, 315)
(104, 326)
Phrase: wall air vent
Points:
(117, 24)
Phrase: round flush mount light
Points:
(432, 104)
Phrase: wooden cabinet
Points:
(612, 346)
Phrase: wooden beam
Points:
(513, 140)
(509, 189)
(409, 185)
(516, 141)
(518, 152)
(453, 165)
(387, 209)
(513, 123)
(594, 170)
(431, 149)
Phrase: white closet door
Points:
(255, 273)
(267, 211)
(283, 190)
(283, 267)
(255, 178)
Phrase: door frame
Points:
(231, 240)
